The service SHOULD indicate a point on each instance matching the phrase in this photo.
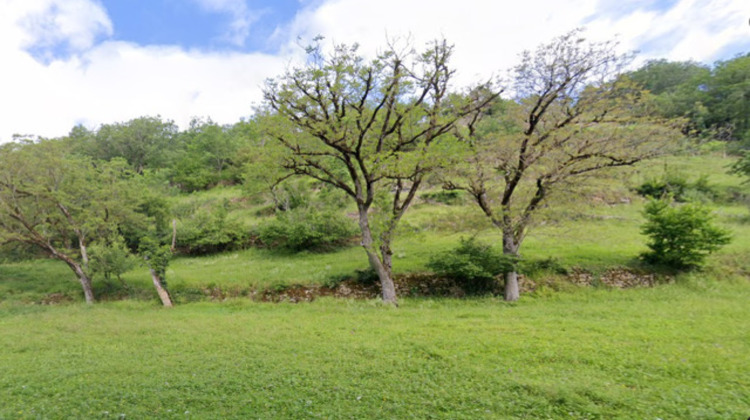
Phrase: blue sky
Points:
(67, 62)
(193, 25)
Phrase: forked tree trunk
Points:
(510, 248)
(166, 300)
(382, 267)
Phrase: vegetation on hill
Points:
(374, 139)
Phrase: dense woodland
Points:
(342, 147)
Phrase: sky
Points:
(92, 62)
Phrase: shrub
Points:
(679, 188)
(669, 185)
(208, 229)
(680, 237)
(472, 265)
(445, 197)
(545, 265)
(111, 257)
(308, 229)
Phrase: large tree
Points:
(372, 129)
(680, 90)
(571, 116)
(729, 88)
(144, 142)
(61, 203)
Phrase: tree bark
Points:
(174, 235)
(381, 267)
(510, 248)
(83, 278)
(166, 300)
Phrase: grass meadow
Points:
(674, 351)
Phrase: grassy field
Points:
(679, 351)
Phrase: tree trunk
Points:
(174, 235)
(511, 286)
(88, 290)
(381, 267)
(84, 254)
(160, 290)
(510, 248)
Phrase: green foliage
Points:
(729, 87)
(742, 166)
(110, 256)
(669, 185)
(208, 229)
(444, 197)
(144, 142)
(679, 89)
(542, 265)
(680, 237)
(207, 157)
(307, 229)
(156, 256)
(472, 265)
(679, 188)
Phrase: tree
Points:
(156, 257)
(571, 116)
(680, 89)
(680, 237)
(370, 129)
(60, 203)
(730, 91)
(208, 151)
(145, 142)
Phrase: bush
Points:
(678, 187)
(111, 257)
(545, 265)
(208, 230)
(307, 229)
(473, 266)
(669, 185)
(680, 237)
(445, 197)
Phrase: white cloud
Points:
(76, 23)
(108, 81)
(113, 81)
(242, 18)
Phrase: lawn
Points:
(674, 351)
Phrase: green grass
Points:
(675, 351)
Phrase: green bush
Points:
(307, 229)
(669, 185)
(544, 265)
(207, 229)
(680, 237)
(679, 188)
(444, 197)
(472, 265)
(111, 257)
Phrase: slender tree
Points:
(571, 116)
(61, 203)
(372, 129)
